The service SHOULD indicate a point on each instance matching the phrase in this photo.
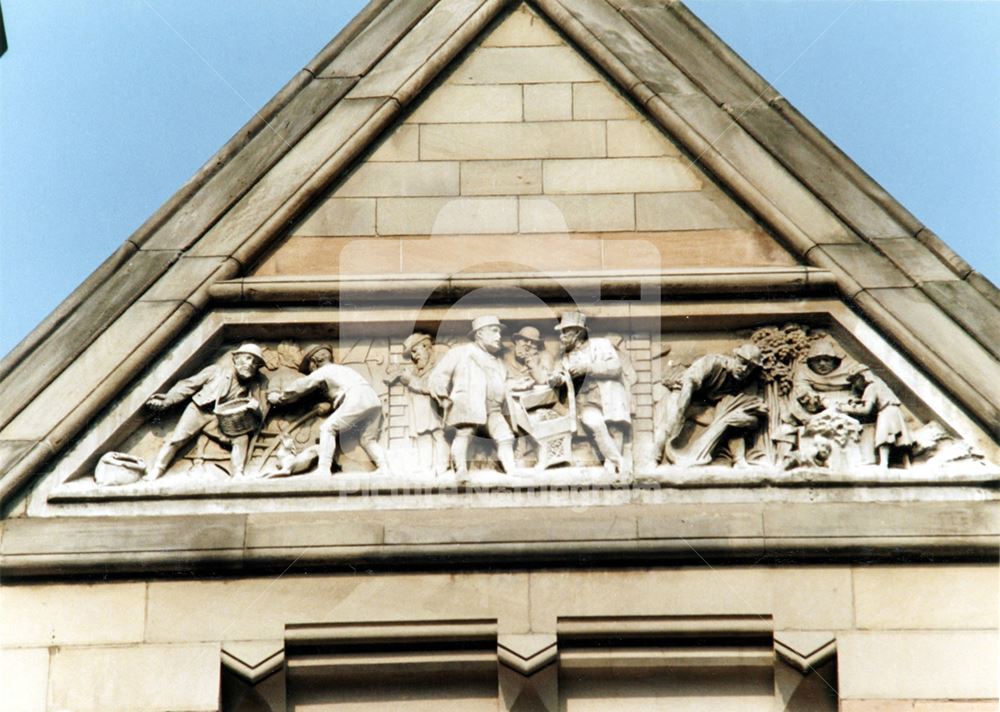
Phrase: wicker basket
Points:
(238, 417)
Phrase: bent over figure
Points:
(356, 406)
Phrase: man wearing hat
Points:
(355, 406)
(470, 384)
(718, 379)
(424, 413)
(211, 387)
(532, 365)
(603, 401)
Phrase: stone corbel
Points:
(253, 661)
(805, 650)
(527, 675)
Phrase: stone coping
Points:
(645, 534)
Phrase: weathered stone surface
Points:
(915, 260)
(966, 305)
(926, 597)
(918, 665)
(403, 144)
(597, 100)
(401, 180)
(247, 609)
(147, 678)
(523, 65)
(661, 25)
(444, 216)
(442, 529)
(641, 57)
(71, 614)
(880, 519)
(548, 102)
(183, 278)
(722, 521)
(501, 177)
(13, 450)
(864, 265)
(371, 44)
(703, 210)
(460, 104)
(26, 677)
(333, 256)
(637, 138)
(499, 253)
(274, 531)
(618, 175)
(543, 139)
(577, 213)
(415, 49)
(523, 28)
(339, 216)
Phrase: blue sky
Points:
(107, 108)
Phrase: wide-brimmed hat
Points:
(750, 353)
(483, 321)
(413, 339)
(307, 356)
(572, 320)
(252, 349)
(528, 333)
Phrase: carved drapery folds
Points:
(524, 399)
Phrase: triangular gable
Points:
(820, 206)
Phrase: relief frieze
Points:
(519, 403)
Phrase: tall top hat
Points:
(571, 320)
(482, 321)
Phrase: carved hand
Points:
(324, 408)
(274, 398)
(158, 402)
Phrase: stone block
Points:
(26, 678)
(542, 139)
(703, 210)
(638, 138)
(956, 706)
(577, 213)
(71, 614)
(618, 175)
(259, 608)
(597, 100)
(500, 253)
(501, 177)
(185, 277)
(332, 256)
(464, 104)
(915, 665)
(701, 248)
(915, 259)
(269, 531)
(876, 706)
(870, 519)
(523, 527)
(927, 597)
(548, 102)
(523, 28)
(339, 216)
(384, 31)
(524, 65)
(446, 216)
(403, 144)
(401, 180)
(727, 520)
(864, 265)
(148, 678)
(970, 308)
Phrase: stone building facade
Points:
(541, 357)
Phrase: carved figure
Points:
(873, 400)
(355, 406)
(424, 415)
(532, 365)
(717, 380)
(237, 389)
(470, 384)
(603, 400)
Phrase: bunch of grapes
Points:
(781, 348)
